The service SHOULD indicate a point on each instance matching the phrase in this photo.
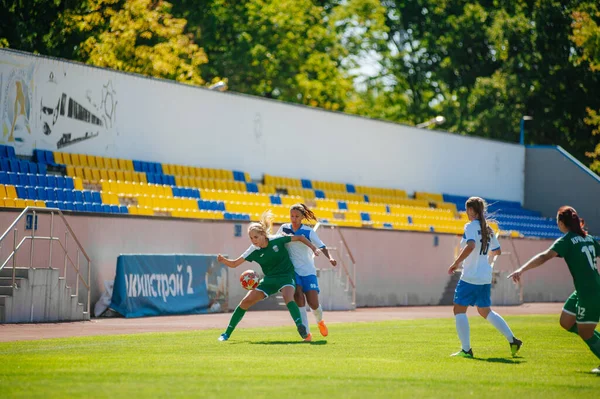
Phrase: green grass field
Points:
(361, 360)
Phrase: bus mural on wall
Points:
(69, 115)
(69, 120)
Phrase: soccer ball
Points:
(249, 280)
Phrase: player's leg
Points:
(568, 319)
(300, 301)
(250, 299)
(483, 303)
(287, 292)
(588, 315)
(310, 286)
(463, 298)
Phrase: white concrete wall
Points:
(161, 121)
(393, 268)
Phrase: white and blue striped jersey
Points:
(301, 256)
(476, 268)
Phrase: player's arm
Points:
(314, 238)
(231, 263)
(464, 253)
(326, 253)
(532, 263)
(309, 244)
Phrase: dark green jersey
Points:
(273, 259)
(580, 254)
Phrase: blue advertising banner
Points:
(153, 285)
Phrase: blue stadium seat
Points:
(5, 165)
(87, 196)
(351, 189)
(60, 182)
(137, 165)
(23, 166)
(106, 208)
(10, 152)
(78, 195)
(39, 156)
(43, 169)
(30, 193)
(59, 194)
(3, 152)
(69, 183)
(319, 194)
(275, 199)
(342, 206)
(78, 206)
(252, 187)
(69, 195)
(88, 207)
(32, 167)
(114, 208)
(4, 178)
(13, 165)
(32, 180)
(307, 184)
(96, 197)
(51, 204)
(40, 193)
(123, 209)
(69, 206)
(13, 178)
(22, 179)
(97, 208)
(50, 194)
(41, 180)
(365, 217)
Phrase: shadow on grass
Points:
(322, 342)
(500, 360)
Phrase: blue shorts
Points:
(468, 294)
(307, 283)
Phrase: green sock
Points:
(237, 315)
(295, 312)
(574, 330)
(594, 344)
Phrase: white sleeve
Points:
(247, 252)
(471, 233)
(280, 231)
(314, 238)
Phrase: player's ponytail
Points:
(305, 211)
(264, 225)
(571, 220)
(479, 206)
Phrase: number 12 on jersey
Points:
(590, 252)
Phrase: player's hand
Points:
(220, 258)
(452, 268)
(317, 251)
(333, 262)
(516, 275)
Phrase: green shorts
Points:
(585, 312)
(273, 284)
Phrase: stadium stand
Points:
(88, 183)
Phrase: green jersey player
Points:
(581, 312)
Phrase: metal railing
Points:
(34, 211)
(348, 268)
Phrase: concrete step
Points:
(3, 299)
(7, 281)
(8, 291)
(22, 272)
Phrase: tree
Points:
(586, 36)
(139, 36)
(291, 50)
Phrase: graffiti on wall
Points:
(48, 106)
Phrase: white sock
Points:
(304, 316)
(497, 321)
(463, 330)
(318, 312)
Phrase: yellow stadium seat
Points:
(91, 161)
(122, 164)
(20, 203)
(58, 157)
(9, 202)
(75, 160)
(101, 163)
(104, 174)
(30, 202)
(2, 191)
(96, 175)
(11, 192)
(78, 183)
(40, 203)
(87, 174)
